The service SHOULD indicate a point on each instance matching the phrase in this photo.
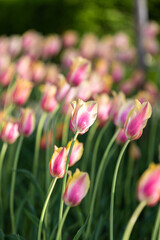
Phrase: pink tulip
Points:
(148, 187)
(63, 88)
(79, 71)
(134, 151)
(15, 45)
(58, 162)
(104, 108)
(21, 91)
(137, 119)
(83, 115)
(70, 38)
(24, 67)
(38, 71)
(27, 122)
(76, 188)
(76, 153)
(9, 132)
(121, 116)
(117, 71)
(121, 137)
(52, 73)
(51, 46)
(48, 102)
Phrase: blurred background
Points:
(55, 16)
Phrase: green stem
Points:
(2, 155)
(65, 130)
(98, 178)
(48, 148)
(128, 181)
(37, 146)
(88, 145)
(152, 137)
(45, 207)
(156, 226)
(61, 223)
(95, 151)
(13, 180)
(65, 178)
(133, 220)
(114, 186)
(37, 143)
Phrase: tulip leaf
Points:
(81, 230)
(1, 234)
(33, 180)
(32, 217)
(19, 211)
(14, 237)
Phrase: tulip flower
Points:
(76, 188)
(79, 71)
(48, 102)
(51, 46)
(38, 71)
(52, 73)
(9, 132)
(58, 162)
(148, 187)
(117, 103)
(21, 91)
(134, 151)
(104, 108)
(44, 140)
(62, 89)
(137, 120)
(76, 153)
(70, 38)
(27, 122)
(121, 137)
(121, 116)
(83, 115)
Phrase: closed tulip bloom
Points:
(121, 116)
(137, 120)
(46, 140)
(49, 102)
(76, 188)
(58, 162)
(148, 187)
(9, 132)
(27, 122)
(21, 91)
(79, 71)
(104, 108)
(83, 115)
(134, 151)
(117, 103)
(121, 137)
(76, 153)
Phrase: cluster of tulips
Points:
(51, 84)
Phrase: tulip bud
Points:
(21, 91)
(27, 122)
(48, 102)
(118, 101)
(9, 132)
(76, 153)
(134, 151)
(38, 71)
(104, 108)
(76, 188)
(121, 137)
(121, 116)
(79, 71)
(148, 187)
(137, 120)
(83, 115)
(44, 141)
(58, 162)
